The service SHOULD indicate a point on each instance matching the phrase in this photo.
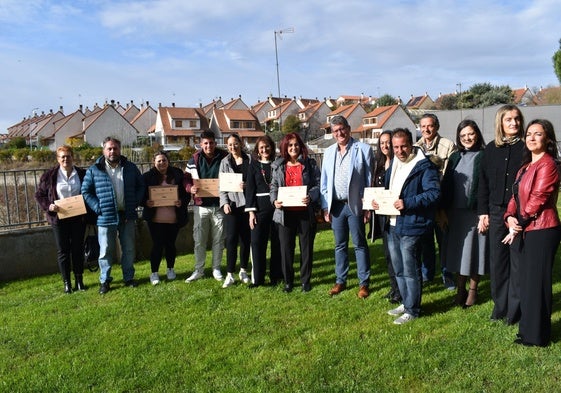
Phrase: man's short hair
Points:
(434, 119)
(208, 134)
(403, 133)
(112, 139)
(339, 120)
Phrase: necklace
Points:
(264, 174)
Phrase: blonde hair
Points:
(499, 132)
(65, 148)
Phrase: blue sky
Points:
(67, 53)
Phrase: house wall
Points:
(110, 124)
(72, 127)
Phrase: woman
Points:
(499, 164)
(384, 156)
(164, 221)
(535, 231)
(258, 204)
(236, 221)
(295, 168)
(466, 249)
(63, 181)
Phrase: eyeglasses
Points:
(63, 157)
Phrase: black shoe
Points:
(79, 283)
(131, 284)
(287, 288)
(395, 300)
(104, 288)
(306, 287)
(67, 287)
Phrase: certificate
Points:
(208, 188)
(70, 207)
(292, 196)
(230, 182)
(163, 195)
(384, 198)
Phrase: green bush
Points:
(43, 155)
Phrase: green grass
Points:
(198, 337)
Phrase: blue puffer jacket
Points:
(97, 190)
(420, 194)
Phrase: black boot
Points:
(79, 283)
(67, 286)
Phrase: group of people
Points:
(491, 208)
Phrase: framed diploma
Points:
(292, 196)
(70, 207)
(384, 198)
(207, 187)
(230, 182)
(163, 195)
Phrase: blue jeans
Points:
(405, 255)
(107, 237)
(344, 221)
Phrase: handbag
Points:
(91, 249)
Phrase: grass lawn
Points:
(198, 337)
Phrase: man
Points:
(414, 179)
(113, 188)
(346, 170)
(438, 150)
(208, 217)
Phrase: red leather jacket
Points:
(537, 193)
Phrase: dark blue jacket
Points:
(97, 190)
(420, 194)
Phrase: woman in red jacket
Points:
(535, 231)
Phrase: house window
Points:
(370, 120)
(235, 124)
(248, 125)
(178, 123)
(193, 124)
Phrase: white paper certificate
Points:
(384, 198)
(230, 182)
(163, 195)
(292, 196)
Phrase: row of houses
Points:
(174, 127)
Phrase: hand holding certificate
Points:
(384, 198)
(292, 196)
(70, 207)
(207, 188)
(230, 182)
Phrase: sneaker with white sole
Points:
(404, 319)
(244, 277)
(217, 274)
(154, 278)
(229, 281)
(195, 276)
(397, 311)
(170, 273)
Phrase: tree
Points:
(449, 102)
(557, 62)
(17, 142)
(484, 94)
(386, 100)
(290, 124)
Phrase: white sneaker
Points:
(244, 277)
(229, 281)
(195, 276)
(404, 319)
(170, 274)
(154, 278)
(217, 274)
(397, 311)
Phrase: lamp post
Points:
(280, 33)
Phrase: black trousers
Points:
(297, 223)
(503, 269)
(163, 241)
(391, 273)
(264, 230)
(538, 250)
(69, 237)
(236, 227)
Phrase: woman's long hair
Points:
(284, 146)
(550, 144)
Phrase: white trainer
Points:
(154, 278)
(404, 319)
(217, 274)
(170, 273)
(397, 311)
(195, 276)
(229, 281)
(244, 277)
